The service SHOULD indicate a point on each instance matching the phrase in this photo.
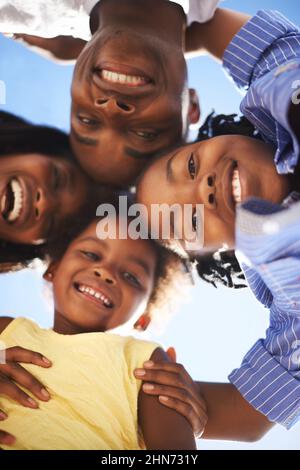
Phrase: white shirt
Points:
(50, 18)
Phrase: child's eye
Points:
(132, 279)
(192, 167)
(90, 255)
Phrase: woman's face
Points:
(36, 193)
(218, 173)
(101, 284)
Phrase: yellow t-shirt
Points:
(93, 389)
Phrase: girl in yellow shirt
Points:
(96, 403)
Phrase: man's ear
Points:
(194, 106)
(50, 272)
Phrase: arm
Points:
(162, 427)
(59, 48)
(214, 36)
(229, 415)
(11, 374)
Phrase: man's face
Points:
(129, 102)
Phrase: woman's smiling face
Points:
(218, 173)
(36, 193)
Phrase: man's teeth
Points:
(236, 186)
(88, 290)
(114, 77)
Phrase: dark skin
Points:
(48, 195)
(123, 271)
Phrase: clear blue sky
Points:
(214, 330)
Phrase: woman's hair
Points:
(171, 273)
(222, 267)
(18, 136)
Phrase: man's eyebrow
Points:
(84, 140)
(141, 263)
(140, 155)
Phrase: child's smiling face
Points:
(218, 173)
(99, 285)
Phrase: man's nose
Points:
(207, 190)
(105, 274)
(113, 106)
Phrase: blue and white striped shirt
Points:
(264, 59)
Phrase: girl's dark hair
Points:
(171, 271)
(17, 136)
(222, 267)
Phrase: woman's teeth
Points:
(93, 293)
(236, 186)
(12, 201)
(114, 77)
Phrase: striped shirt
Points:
(264, 59)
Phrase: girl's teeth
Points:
(97, 295)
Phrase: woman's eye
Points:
(192, 167)
(132, 279)
(87, 121)
(146, 135)
(90, 255)
(195, 220)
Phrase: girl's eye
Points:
(194, 220)
(192, 167)
(132, 279)
(87, 121)
(90, 255)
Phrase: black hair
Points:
(222, 267)
(171, 270)
(17, 136)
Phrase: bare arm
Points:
(214, 36)
(230, 416)
(162, 427)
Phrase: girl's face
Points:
(101, 284)
(218, 173)
(36, 193)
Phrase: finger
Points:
(6, 438)
(3, 415)
(24, 378)
(11, 390)
(18, 354)
(183, 395)
(32, 40)
(197, 423)
(171, 354)
(169, 367)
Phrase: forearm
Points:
(230, 416)
(214, 36)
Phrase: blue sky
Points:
(215, 328)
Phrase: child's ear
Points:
(50, 272)
(142, 323)
(194, 107)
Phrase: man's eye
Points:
(87, 121)
(192, 167)
(132, 279)
(90, 255)
(194, 220)
(56, 178)
(146, 135)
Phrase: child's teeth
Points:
(93, 293)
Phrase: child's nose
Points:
(105, 275)
(207, 190)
